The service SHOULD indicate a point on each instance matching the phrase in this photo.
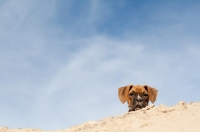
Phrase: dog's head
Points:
(137, 96)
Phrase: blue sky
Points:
(62, 61)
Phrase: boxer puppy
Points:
(137, 96)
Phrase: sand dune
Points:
(183, 117)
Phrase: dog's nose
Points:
(138, 99)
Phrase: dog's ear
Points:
(123, 93)
(152, 92)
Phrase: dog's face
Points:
(137, 96)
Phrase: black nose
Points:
(138, 99)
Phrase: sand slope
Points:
(183, 117)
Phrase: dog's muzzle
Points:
(138, 104)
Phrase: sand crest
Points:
(183, 117)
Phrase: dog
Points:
(137, 96)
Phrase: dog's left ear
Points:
(123, 93)
(152, 92)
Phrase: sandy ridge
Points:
(184, 117)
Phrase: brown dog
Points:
(137, 96)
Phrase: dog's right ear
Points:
(123, 93)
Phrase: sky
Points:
(62, 61)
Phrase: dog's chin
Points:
(138, 107)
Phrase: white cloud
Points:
(47, 85)
(87, 84)
(84, 87)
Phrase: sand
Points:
(183, 117)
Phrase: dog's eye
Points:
(145, 94)
(131, 94)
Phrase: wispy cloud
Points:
(87, 83)
(57, 72)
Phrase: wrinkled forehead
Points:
(138, 89)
